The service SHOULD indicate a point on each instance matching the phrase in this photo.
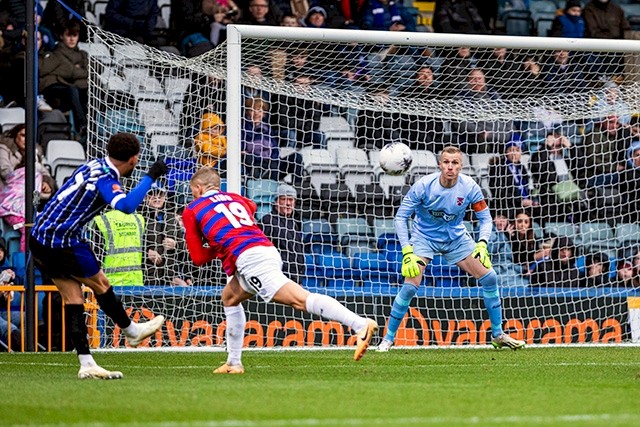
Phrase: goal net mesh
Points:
(548, 135)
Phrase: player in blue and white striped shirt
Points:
(438, 202)
(60, 252)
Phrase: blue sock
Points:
(489, 283)
(399, 309)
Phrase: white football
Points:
(395, 158)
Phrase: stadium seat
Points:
(628, 233)
(262, 191)
(597, 236)
(64, 152)
(382, 226)
(9, 117)
(354, 167)
(387, 181)
(373, 268)
(353, 225)
(564, 229)
(159, 139)
(97, 51)
(518, 23)
(424, 163)
(321, 166)
(352, 244)
(337, 199)
(443, 273)
(317, 231)
(334, 264)
(370, 198)
(131, 54)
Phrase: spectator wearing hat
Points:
(316, 18)
(163, 240)
(560, 269)
(570, 23)
(210, 142)
(509, 182)
(387, 15)
(284, 231)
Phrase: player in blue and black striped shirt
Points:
(60, 251)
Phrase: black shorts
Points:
(75, 261)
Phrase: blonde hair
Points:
(206, 176)
(450, 149)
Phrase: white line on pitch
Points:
(515, 419)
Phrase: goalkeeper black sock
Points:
(77, 327)
(113, 308)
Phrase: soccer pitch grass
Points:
(534, 386)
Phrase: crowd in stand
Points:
(566, 178)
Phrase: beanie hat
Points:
(572, 3)
(210, 120)
(285, 190)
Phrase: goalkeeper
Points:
(438, 203)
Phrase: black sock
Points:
(113, 308)
(77, 327)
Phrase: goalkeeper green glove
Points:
(482, 253)
(411, 262)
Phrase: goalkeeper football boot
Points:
(229, 369)
(98, 373)
(145, 330)
(504, 340)
(384, 346)
(364, 338)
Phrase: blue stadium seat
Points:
(334, 265)
(262, 190)
(317, 231)
(443, 273)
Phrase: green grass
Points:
(536, 386)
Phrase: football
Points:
(395, 158)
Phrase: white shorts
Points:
(259, 271)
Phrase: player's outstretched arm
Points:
(130, 202)
(199, 254)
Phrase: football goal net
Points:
(548, 128)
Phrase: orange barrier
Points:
(90, 307)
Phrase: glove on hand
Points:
(411, 262)
(482, 253)
(157, 169)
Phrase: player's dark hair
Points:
(123, 146)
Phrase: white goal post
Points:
(330, 99)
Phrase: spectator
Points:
(458, 17)
(191, 26)
(604, 150)
(604, 19)
(499, 246)
(289, 21)
(205, 94)
(454, 71)
(527, 249)
(629, 185)
(560, 270)
(210, 143)
(133, 19)
(220, 13)
(316, 18)
(296, 8)
(118, 238)
(557, 170)
(56, 17)
(571, 23)
(509, 74)
(260, 148)
(297, 119)
(12, 152)
(387, 15)
(596, 270)
(284, 231)
(563, 74)
(423, 85)
(626, 276)
(375, 128)
(261, 13)
(15, 92)
(161, 241)
(352, 12)
(481, 136)
(509, 181)
(63, 76)
(610, 102)
(488, 10)
(7, 275)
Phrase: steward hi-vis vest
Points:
(122, 263)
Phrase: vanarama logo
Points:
(442, 214)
